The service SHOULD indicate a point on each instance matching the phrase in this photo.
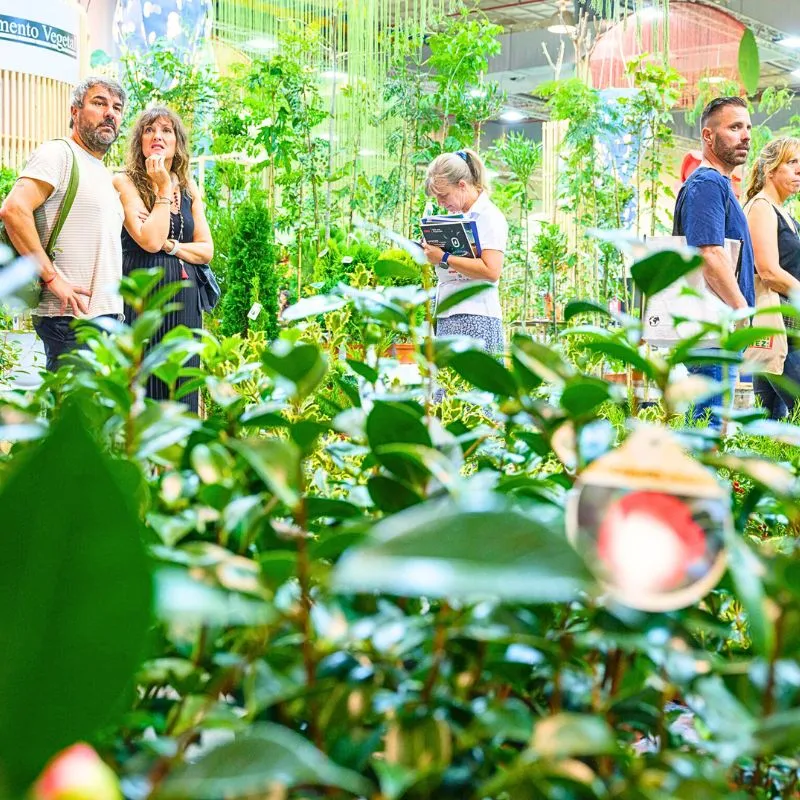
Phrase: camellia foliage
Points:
(343, 585)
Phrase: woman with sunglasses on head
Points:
(458, 182)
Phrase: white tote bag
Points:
(661, 327)
(770, 352)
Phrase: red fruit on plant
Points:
(77, 773)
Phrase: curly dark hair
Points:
(135, 166)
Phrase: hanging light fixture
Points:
(563, 22)
(512, 115)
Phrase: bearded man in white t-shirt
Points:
(82, 280)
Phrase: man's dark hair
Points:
(715, 105)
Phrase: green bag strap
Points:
(66, 203)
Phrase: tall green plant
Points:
(251, 275)
(279, 107)
(520, 156)
(589, 193)
(460, 50)
(648, 115)
(411, 144)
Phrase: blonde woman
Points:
(165, 223)
(775, 234)
(458, 182)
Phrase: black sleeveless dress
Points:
(789, 247)
(181, 228)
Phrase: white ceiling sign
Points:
(40, 37)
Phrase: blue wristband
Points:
(445, 256)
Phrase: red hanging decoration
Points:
(703, 41)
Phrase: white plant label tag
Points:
(254, 311)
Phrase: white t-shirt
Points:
(89, 249)
(493, 235)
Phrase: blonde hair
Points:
(776, 152)
(463, 165)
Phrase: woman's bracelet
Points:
(162, 201)
(48, 282)
(175, 246)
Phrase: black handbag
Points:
(207, 287)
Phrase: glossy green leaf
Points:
(329, 507)
(479, 546)
(535, 362)
(303, 366)
(313, 306)
(387, 269)
(744, 337)
(437, 464)
(76, 593)
(369, 374)
(396, 423)
(778, 734)
(722, 712)
(568, 734)
(395, 779)
(277, 566)
(749, 62)
(391, 495)
(618, 351)
(265, 416)
(575, 307)
(747, 572)
(662, 269)
(485, 372)
(462, 294)
(582, 396)
(263, 757)
(182, 600)
(306, 433)
(277, 463)
(700, 356)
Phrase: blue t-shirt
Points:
(703, 220)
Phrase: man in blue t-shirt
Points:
(707, 212)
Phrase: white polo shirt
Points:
(493, 235)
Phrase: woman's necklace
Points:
(176, 196)
(176, 231)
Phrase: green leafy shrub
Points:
(251, 275)
(358, 592)
(8, 178)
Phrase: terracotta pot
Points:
(403, 352)
(622, 377)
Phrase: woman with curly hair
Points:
(165, 224)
